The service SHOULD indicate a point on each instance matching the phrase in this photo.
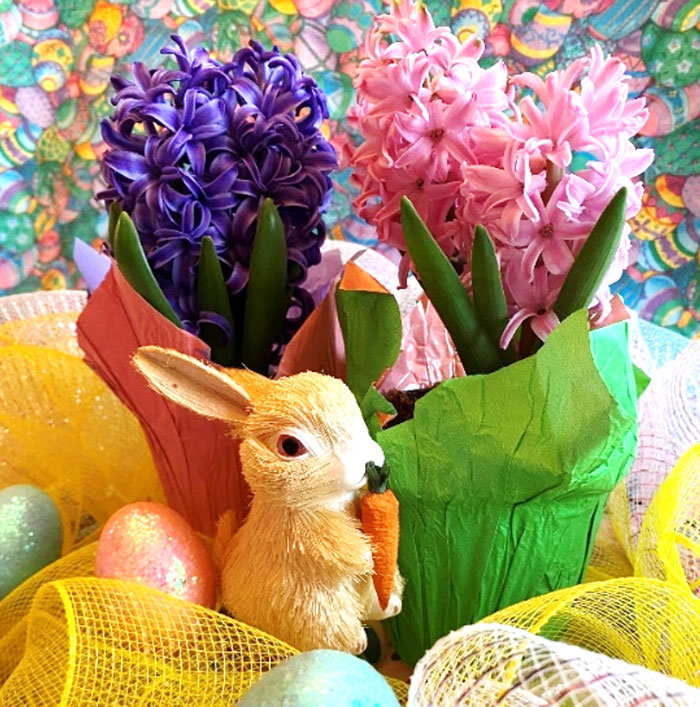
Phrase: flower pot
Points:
(502, 479)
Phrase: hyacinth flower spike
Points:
(192, 154)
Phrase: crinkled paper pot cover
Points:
(502, 479)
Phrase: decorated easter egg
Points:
(50, 76)
(15, 64)
(540, 39)
(674, 251)
(95, 79)
(14, 193)
(10, 23)
(152, 544)
(65, 113)
(52, 147)
(471, 21)
(152, 9)
(671, 57)
(662, 301)
(31, 534)
(49, 246)
(687, 235)
(313, 8)
(670, 188)
(55, 278)
(247, 7)
(104, 23)
(15, 268)
(34, 104)
(129, 37)
(338, 89)
(691, 194)
(340, 38)
(18, 147)
(621, 18)
(492, 9)
(498, 41)
(193, 33)
(678, 15)
(38, 14)
(16, 232)
(192, 8)
(56, 46)
(636, 73)
(311, 48)
(285, 7)
(321, 678)
(74, 13)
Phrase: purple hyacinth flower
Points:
(194, 151)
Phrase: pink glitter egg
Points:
(152, 544)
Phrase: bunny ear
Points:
(192, 384)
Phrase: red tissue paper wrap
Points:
(197, 459)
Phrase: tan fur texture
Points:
(300, 567)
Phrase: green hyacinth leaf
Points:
(447, 293)
(372, 404)
(594, 259)
(267, 295)
(114, 213)
(213, 297)
(487, 287)
(371, 326)
(641, 380)
(133, 264)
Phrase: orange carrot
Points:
(380, 522)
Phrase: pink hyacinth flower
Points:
(534, 301)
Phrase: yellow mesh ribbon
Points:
(652, 521)
(95, 641)
(665, 542)
(15, 607)
(669, 542)
(62, 429)
(642, 621)
(42, 319)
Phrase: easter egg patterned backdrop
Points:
(56, 57)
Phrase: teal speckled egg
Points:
(321, 678)
(31, 534)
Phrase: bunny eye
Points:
(290, 447)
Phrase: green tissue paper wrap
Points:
(502, 479)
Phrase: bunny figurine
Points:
(299, 567)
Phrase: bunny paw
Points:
(360, 644)
(394, 606)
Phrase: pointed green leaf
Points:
(371, 326)
(487, 287)
(447, 293)
(374, 402)
(594, 259)
(114, 213)
(267, 296)
(213, 297)
(641, 380)
(134, 266)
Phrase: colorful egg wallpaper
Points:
(56, 57)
